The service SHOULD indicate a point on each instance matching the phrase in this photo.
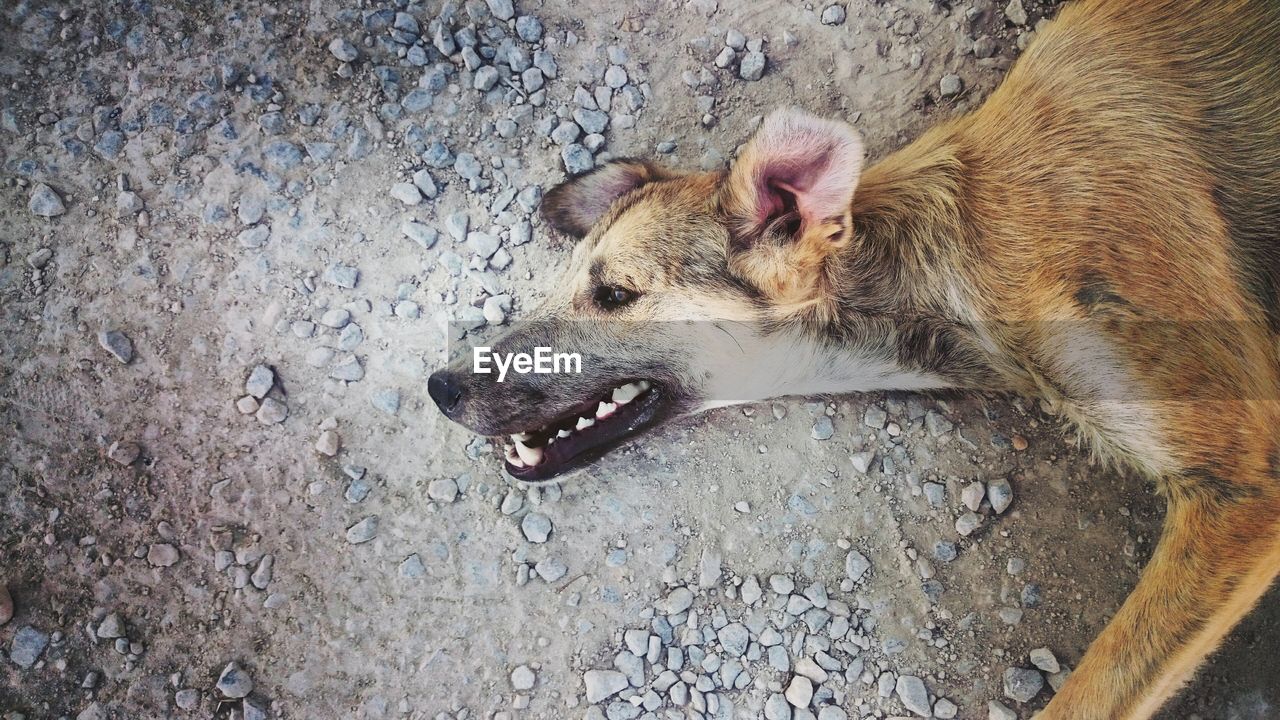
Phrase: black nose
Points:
(446, 391)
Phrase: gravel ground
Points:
(233, 237)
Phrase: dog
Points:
(1103, 233)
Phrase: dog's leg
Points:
(1219, 552)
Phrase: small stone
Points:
(602, 684)
(485, 78)
(234, 682)
(407, 193)
(420, 233)
(1000, 493)
(985, 47)
(536, 527)
(116, 343)
(254, 237)
(413, 567)
(522, 678)
(950, 85)
(750, 591)
(501, 9)
(187, 699)
(329, 443)
(832, 712)
(343, 50)
(551, 569)
(945, 709)
(483, 244)
(387, 400)
(1022, 684)
(862, 460)
(443, 490)
(529, 28)
(1016, 13)
(1044, 659)
(363, 531)
(833, 15)
(734, 637)
(725, 58)
(944, 550)
(777, 708)
(856, 565)
(249, 710)
(735, 39)
(45, 202)
(615, 77)
(967, 523)
(973, 494)
(752, 66)
(336, 318)
(678, 600)
(261, 577)
(800, 691)
(124, 452)
(577, 159)
(261, 380)
(348, 370)
(272, 412)
(111, 627)
(344, 276)
(822, 429)
(28, 643)
(911, 691)
(162, 555)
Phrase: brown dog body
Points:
(1104, 232)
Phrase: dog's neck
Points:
(901, 286)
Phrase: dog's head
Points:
(673, 299)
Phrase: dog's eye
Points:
(611, 297)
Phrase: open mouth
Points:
(583, 434)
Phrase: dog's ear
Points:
(787, 198)
(575, 206)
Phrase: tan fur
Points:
(1101, 233)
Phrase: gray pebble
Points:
(344, 276)
(407, 193)
(116, 343)
(336, 318)
(752, 66)
(536, 527)
(911, 691)
(529, 28)
(45, 202)
(111, 627)
(856, 565)
(349, 370)
(950, 85)
(577, 159)
(822, 429)
(485, 78)
(412, 567)
(1044, 659)
(602, 684)
(187, 699)
(777, 708)
(550, 569)
(363, 531)
(1000, 493)
(483, 244)
(272, 412)
(735, 39)
(1022, 684)
(833, 15)
(234, 682)
(443, 490)
(343, 50)
(387, 400)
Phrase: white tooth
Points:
(530, 456)
(644, 385)
(584, 423)
(565, 433)
(550, 440)
(605, 410)
(513, 458)
(626, 393)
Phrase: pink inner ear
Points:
(818, 161)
